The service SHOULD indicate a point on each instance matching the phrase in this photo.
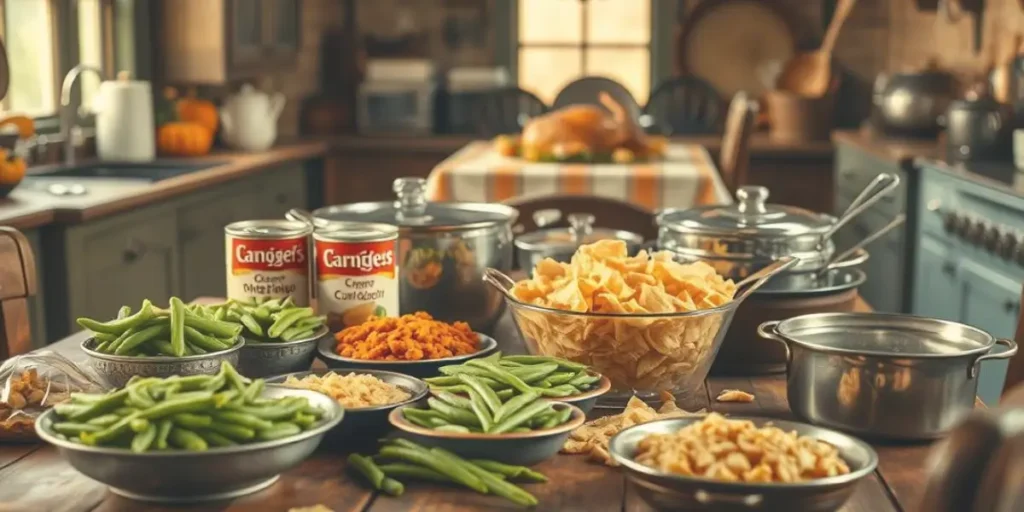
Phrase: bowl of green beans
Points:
(189, 438)
(280, 337)
(155, 342)
(554, 379)
(523, 429)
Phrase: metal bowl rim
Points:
(859, 277)
(642, 470)
(270, 345)
(881, 317)
(490, 346)
(158, 359)
(422, 389)
(338, 415)
(577, 419)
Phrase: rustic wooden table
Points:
(35, 477)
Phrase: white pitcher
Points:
(249, 119)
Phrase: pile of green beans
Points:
(512, 375)
(177, 331)
(269, 320)
(188, 413)
(401, 458)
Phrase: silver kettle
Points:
(978, 128)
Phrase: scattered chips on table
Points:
(633, 350)
(735, 395)
(592, 437)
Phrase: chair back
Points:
(608, 213)
(17, 284)
(587, 91)
(684, 105)
(734, 159)
(505, 110)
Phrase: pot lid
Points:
(885, 335)
(412, 211)
(581, 231)
(751, 215)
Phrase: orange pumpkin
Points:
(184, 139)
(12, 168)
(201, 112)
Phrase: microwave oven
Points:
(397, 97)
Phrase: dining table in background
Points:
(686, 177)
(34, 477)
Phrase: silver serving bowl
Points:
(117, 370)
(261, 359)
(666, 491)
(422, 368)
(181, 476)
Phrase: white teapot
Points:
(249, 119)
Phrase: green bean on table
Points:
(272, 321)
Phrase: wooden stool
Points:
(17, 284)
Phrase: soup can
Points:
(356, 272)
(268, 259)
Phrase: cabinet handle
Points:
(134, 251)
(949, 269)
(1011, 306)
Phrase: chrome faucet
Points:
(68, 115)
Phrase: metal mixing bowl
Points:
(117, 370)
(666, 491)
(261, 359)
(181, 476)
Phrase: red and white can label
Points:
(268, 268)
(356, 280)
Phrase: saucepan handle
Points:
(1011, 345)
(770, 331)
(880, 186)
(712, 498)
(499, 281)
(751, 283)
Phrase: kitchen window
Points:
(46, 38)
(558, 41)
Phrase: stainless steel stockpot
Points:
(882, 375)
(742, 238)
(443, 248)
(561, 243)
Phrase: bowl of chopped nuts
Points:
(755, 464)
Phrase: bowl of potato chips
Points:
(648, 322)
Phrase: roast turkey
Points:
(580, 129)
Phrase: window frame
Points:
(664, 14)
(65, 34)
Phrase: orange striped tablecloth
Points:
(686, 177)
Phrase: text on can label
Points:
(252, 255)
(345, 259)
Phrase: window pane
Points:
(124, 21)
(619, 21)
(29, 41)
(549, 21)
(544, 71)
(90, 46)
(629, 66)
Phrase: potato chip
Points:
(638, 351)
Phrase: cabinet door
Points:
(883, 289)
(201, 235)
(936, 292)
(246, 33)
(121, 261)
(281, 27)
(280, 191)
(991, 302)
(36, 310)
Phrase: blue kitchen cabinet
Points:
(936, 293)
(992, 300)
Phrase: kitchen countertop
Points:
(903, 151)
(29, 206)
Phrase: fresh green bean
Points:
(490, 399)
(557, 391)
(164, 347)
(214, 327)
(533, 373)
(366, 467)
(104, 421)
(480, 409)
(498, 486)
(251, 324)
(177, 326)
(562, 415)
(260, 313)
(191, 420)
(584, 380)
(454, 414)
(253, 390)
(443, 380)
(124, 312)
(392, 487)
(140, 337)
(119, 325)
(234, 378)
(86, 398)
(501, 374)
(138, 424)
(73, 429)
(215, 439)
(177, 405)
(187, 439)
(303, 420)
(163, 431)
(102, 347)
(424, 422)
(403, 470)
(505, 394)
(458, 369)
(143, 440)
(110, 433)
(422, 457)
(242, 419)
(286, 320)
(512, 472)
(203, 341)
(568, 365)
(108, 403)
(297, 333)
(514, 404)
(232, 431)
(195, 349)
(459, 429)
(454, 400)
(521, 416)
(114, 345)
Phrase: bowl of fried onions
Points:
(648, 322)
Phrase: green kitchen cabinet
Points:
(121, 260)
(936, 290)
(36, 310)
(279, 191)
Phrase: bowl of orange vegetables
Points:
(415, 345)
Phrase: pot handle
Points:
(754, 281)
(500, 281)
(713, 498)
(1011, 345)
(856, 255)
(882, 184)
(300, 215)
(770, 331)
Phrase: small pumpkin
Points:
(12, 168)
(184, 139)
(201, 112)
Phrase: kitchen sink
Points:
(149, 171)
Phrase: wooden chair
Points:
(734, 159)
(685, 105)
(607, 212)
(17, 284)
(507, 110)
(587, 91)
